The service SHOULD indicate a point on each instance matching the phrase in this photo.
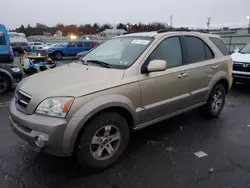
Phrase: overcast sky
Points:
(191, 13)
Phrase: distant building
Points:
(58, 33)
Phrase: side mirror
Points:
(157, 65)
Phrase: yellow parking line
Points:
(4, 104)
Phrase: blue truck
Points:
(71, 48)
(6, 52)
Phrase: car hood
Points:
(238, 57)
(71, 80)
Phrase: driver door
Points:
(167, 91)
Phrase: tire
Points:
(58, 55)
(16, 53)
(210, 110)
(4, 83)
(86, 149)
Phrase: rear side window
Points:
(79, 44)
(86, 44)
(220, 45)
(196, 50)
(2, 39)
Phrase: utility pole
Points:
(171, 21)
(248, 17)
(208, 23)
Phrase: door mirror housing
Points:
(156, 66)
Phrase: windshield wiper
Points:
(84, 62)
(101, 63)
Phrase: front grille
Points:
(245, 67)
(22, 100)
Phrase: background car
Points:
(36, 45)
(241, 64)
(17, 49)
(71, 48)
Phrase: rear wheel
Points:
(215, 102)
(58, 55)
(102, 141)
(4, 83)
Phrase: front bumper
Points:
(241, 76)
(28, 127)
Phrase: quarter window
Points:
(170, 51)
(87, 44)
(220, 45)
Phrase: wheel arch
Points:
(116, 103)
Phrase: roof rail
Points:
(172, 29)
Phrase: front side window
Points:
(71, 44)
(119, 52)
(170, 51)
(245, 49)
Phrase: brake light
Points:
(93, 44)
(10, 49)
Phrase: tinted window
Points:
(170, 51)
(86, 44)
(37, 43)
(194, 50)
(13, 44)
(2, 39)
(209, 52)
(79, 44)
(220, 45)
(71, 44)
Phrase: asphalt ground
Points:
(158, 156)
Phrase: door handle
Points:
(182, 75)
(215, 66)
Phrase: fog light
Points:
(39, 141)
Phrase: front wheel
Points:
(102, 141)
(215, 102)
(4, 83)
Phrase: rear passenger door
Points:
(79, 47)
(198, 58)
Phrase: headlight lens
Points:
(57, 106)
(15, 69)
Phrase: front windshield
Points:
(245, 49)
(119, 52)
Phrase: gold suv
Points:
(90, 107)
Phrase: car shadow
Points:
(53, 171)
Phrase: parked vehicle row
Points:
(90, 107)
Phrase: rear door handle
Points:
(215, 66)
(182, 75)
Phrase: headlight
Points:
(15, 69)
(57, 106)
